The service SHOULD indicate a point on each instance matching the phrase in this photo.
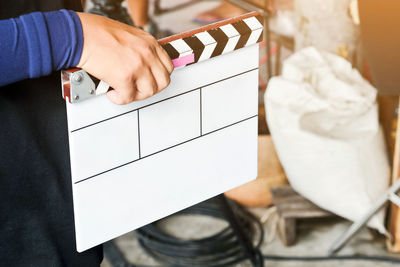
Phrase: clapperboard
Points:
(137, 163)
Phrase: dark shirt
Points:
(36, 214)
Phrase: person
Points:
(135, 14)
(138, 11)
(226, 10)
(38, 38)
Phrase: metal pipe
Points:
(356, 226)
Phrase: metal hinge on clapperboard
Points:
(183, 49)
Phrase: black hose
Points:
(219, 250)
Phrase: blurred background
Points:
(328, 135)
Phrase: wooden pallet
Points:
(291, 206)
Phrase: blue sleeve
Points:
(37, 44)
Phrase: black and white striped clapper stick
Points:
(184, 49)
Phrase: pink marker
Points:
(182, 61)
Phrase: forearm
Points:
(138, 10)
(36, 44)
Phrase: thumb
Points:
(119, 98)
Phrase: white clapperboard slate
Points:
(137, 163)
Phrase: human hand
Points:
(130, 60)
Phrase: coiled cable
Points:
(218, 250)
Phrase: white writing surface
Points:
(100, 152)
(178, 121)
(229, 101)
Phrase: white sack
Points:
(323, 119)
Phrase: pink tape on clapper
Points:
(182, 61)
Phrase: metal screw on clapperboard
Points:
(76, 78)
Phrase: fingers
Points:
(165, 59)
(151, 79)
(146, 86)
(141, 67)
(161, 76)
(117, 97)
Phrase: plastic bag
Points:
(323, 119)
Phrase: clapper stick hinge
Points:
(77, 85)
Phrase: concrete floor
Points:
(314, 237)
